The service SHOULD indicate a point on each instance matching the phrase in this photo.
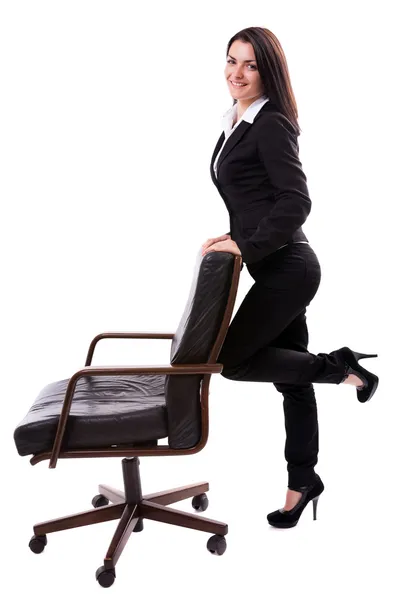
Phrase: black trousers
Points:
(267, 341)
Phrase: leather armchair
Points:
(123, 411)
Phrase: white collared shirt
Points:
(229, 116)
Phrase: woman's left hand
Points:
(225, 246)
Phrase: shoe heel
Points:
(359, 355)
(315, 502)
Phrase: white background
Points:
(110, 112)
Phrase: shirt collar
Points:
(248, 115)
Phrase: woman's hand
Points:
(212, 241)
(223, 243)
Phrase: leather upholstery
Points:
(193, 341)
(104, 411)
(120, 410)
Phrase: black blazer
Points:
(260, 179)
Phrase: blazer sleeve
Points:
(278, 150)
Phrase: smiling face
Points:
(241, 67)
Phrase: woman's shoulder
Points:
(275, 122)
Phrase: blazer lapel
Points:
(234, 138)
(216, 150)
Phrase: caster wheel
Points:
(139, 526)
(216, 544)
(38, 543)
(105, 577)
(100, 500)
(200, 502)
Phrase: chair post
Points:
(132, 482)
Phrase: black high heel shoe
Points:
(289, 518)
(370, 380)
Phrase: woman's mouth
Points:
(237, 85)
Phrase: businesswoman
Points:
(256, 169)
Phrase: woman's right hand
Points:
(212, 241)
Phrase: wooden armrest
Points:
(124, 334)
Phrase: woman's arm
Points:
(278, 149)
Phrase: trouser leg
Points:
(300, 412)
(283, 288)
(267, 341)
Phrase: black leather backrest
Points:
(193, 341)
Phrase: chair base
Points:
(131, 508)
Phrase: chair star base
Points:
(131, 508)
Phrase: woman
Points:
(256, 169)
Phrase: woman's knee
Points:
(292, 388)
(232, 372)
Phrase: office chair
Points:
(124, 411)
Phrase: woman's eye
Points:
(230, 61)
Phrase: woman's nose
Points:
(238, 73)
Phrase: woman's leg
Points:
(284, 286)
(300, 412)
(267, 341)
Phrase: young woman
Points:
(258, 174)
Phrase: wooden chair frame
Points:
(130, 506)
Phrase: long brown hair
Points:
(273, 69)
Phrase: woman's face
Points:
(241, 66)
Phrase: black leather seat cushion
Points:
(105, 411)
